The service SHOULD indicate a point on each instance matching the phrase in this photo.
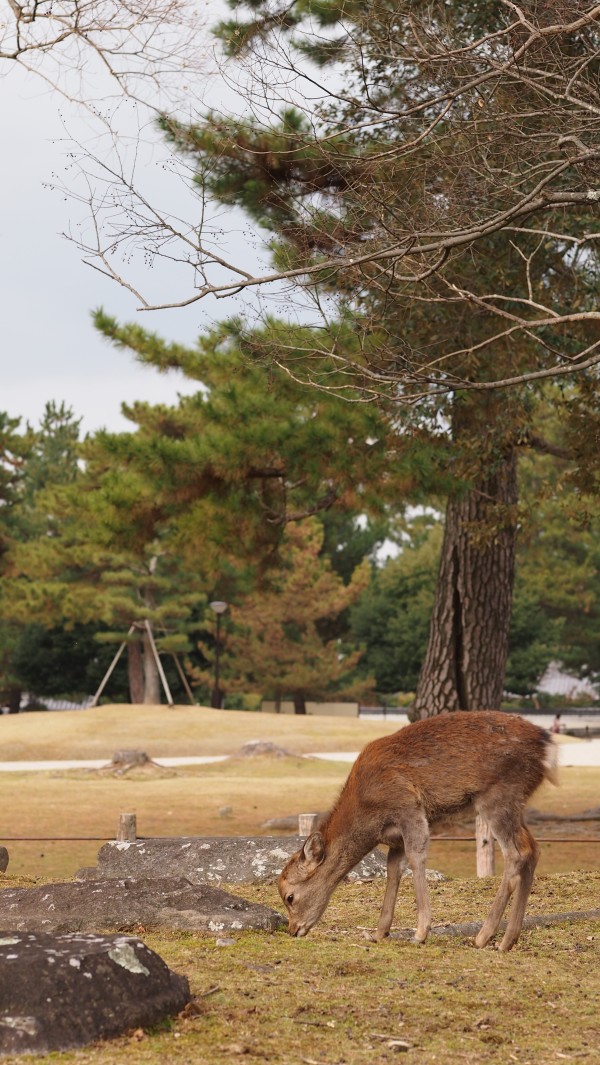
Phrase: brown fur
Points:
(399, 786)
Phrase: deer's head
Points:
(303, 886)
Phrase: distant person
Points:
(556, 724)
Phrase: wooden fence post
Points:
(127, 830)
(306, 823)
(485, 845)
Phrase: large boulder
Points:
(58, 992)
(126, 903)
(213, 859)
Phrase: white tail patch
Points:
(550, 762)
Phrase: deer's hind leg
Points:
(529, 853)
(520, 853)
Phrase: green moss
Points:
(334, 997)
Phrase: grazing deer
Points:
(399, 786)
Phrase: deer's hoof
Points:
(505, 946)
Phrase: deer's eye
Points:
(290, 900)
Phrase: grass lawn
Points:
(333, 998)
(180, 730)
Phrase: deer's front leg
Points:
(395, 867)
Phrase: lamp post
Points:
(219, 608)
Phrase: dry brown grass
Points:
(332, 999)
(187, 801)
(170, 732)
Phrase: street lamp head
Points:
(218, 606)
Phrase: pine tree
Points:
(15, 447)
(250, 435)
(430, 175)
(97, 554)
(194, 502)
(275, 645)
(41, 457)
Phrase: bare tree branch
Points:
(147, 48)
(398, 183)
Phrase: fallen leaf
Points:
(193, 1009)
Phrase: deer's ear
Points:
(313, 850)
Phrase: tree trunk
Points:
(468, 638)
(151, 678)
(12, 699)
(135, 671)
(299, 703)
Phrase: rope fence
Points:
(433, 839)
(485, 856)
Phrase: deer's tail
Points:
(550, 761)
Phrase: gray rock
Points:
(59, 992)
(214, 859)
(430, 874)
(256, 748)
(129, 757)
(87, 872)
(120, 904)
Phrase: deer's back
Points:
(445, 762)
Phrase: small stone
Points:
(226, 941)
(225, 811)
(130, 758)
(399, 1045)
(256, 748)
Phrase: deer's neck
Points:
(347, 839)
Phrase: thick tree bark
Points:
(135, 671)
(299, 703)
(151, 675)
(468, 638)
(151, 678)
(11, 697)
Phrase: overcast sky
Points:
(49, 347)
